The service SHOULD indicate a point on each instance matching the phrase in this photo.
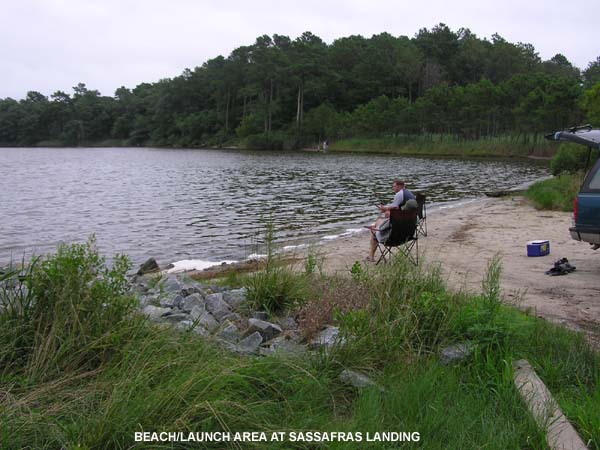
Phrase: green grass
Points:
(445, 145)
(556, 193)
(276, 289)
(136, 376)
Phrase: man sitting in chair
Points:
(404, 199)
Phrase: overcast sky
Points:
(50, 45)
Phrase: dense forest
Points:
(284, 93)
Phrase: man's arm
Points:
(398, 198)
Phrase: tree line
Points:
(281, 92)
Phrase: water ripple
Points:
(212, 204)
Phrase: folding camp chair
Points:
(421, 214)
(403, 237)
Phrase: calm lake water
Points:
(212, 204)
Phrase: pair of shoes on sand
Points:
(561, 267)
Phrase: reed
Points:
(449, 145)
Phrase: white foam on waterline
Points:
(255, 256)
(195, 264)
(348, 232)
(289, 248)
(201, 264)
(351, 231)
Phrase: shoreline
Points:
(430, 152)
(295, 251)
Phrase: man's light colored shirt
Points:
(398, 199)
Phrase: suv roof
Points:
(584, 135)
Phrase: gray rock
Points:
(200, 331)
(171, 284)
(176, 317)
(235, 297)
(267, 330)
(356, 379)
(217, 306)
(153, 300)
(260, 315)
(288, 323)
(327, 338)
(145, 301)
(251, 343)
(197, 311)
(154, 312)
(229, 332)
(191, 301)
(150, 266)
(203, 318)
(140, 287)
(168, 301)
(190, 289)
(456, 353)
(184, 325)
(208, 322)
(233, 317)
(215, 297)
(178, 301)
(283, 345)
(265, 351)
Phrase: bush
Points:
(276, 289)
(64, 313)
(556, 193)
(572, 158)
(272, 141)
(263, 141)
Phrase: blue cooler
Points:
(538, 248)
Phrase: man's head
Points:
(398, 185)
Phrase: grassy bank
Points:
(556, 193)
(442, 145)
(79, 371)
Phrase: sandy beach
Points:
(464, 239)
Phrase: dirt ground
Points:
(464, 239)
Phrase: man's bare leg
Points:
(373, 248)
(373, 239)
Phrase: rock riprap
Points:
(213, 312)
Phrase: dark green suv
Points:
(586, 210)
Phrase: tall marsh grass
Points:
(448, 145)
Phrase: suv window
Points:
(595, 181)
